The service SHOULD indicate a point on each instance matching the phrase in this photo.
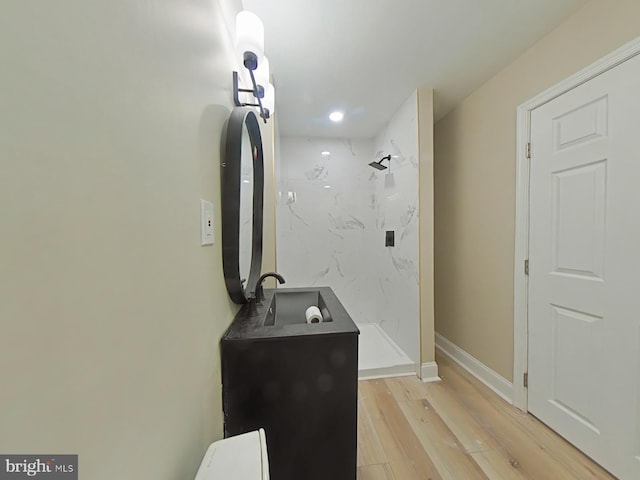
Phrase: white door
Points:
(584, 270)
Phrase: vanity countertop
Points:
(245, 327)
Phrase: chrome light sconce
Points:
(250, 45)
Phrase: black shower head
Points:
(378, 165)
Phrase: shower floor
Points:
(379, 356)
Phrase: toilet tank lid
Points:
(243, 457)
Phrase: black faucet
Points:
(259, 292)
(251, 301)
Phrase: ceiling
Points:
(365, 57)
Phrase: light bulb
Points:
(269, 100)
(336, 116)
(250, 38)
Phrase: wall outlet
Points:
(206, 219)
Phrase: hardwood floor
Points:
(457, 429)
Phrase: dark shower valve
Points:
(390, 240)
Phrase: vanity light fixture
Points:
(250, 45)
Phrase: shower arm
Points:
(388, 157)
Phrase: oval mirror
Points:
(242, 190)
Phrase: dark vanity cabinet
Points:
(296, 380)
(300, 383)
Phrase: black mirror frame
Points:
(241, 118)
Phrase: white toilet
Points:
(243, 457)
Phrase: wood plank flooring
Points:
(457, 429)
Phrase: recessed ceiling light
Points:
(326, 153)
(327, 186)
(336, 116)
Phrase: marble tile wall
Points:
(331, 216)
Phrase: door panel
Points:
(584, 252)
(577, 343)
(583, 123)
(578, 220)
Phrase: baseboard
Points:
(386, 372)
(429, 372)
(500, 385)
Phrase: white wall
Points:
(396, 269)
(322, 234)
(111, 116)
(335, 236)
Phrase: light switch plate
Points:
(206, 218)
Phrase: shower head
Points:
(378, 165)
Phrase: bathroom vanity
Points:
(296, 380)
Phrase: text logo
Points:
(41, 467)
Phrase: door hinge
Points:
(526, 267)
(525, 379)
(529, 150)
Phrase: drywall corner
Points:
(425, 139)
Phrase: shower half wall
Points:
(332, 213)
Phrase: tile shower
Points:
(332, 213)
